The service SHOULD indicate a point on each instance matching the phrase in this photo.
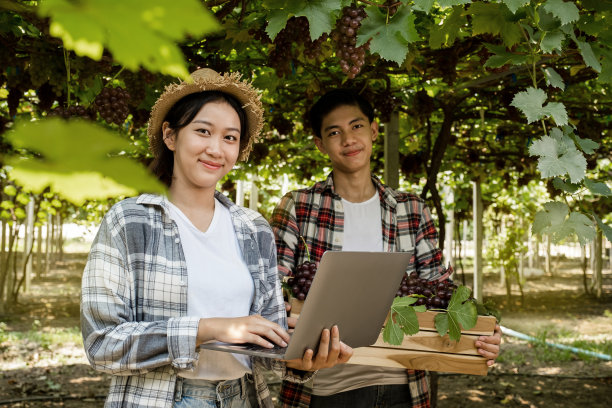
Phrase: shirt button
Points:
(177, 240)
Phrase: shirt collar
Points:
(387, 193)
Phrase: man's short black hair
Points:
(334, 99)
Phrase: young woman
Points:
(166, 274)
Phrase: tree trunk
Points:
(28, 241)
(391, 144)
(597, 278)
(60, 236)
(39, 258)
(477, 210)
(583, 264)
(548, 265)
(48, 244)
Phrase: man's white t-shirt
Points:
(362, 232)
(219, 284)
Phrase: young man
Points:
(353, 211)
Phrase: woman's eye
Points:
(231, 138)
(202, 131)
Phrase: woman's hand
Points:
(249, 329)
(330, 353)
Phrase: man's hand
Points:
(330, 353)
(488, 346)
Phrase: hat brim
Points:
(206, 79)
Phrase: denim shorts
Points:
(238, 393)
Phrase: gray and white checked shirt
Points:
(134, 300)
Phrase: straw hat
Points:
(206, 79)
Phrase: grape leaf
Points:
(587, 145)
(451, 3)
(321, 16)
(587, 55)
(503, 57)
(557, 111)
(578, 224)
(153, 28)
(514, 5)
(554, 213)
(461, 314)
(558, 157)
(423, 5)
(277, 20)
(392, 333)
(447, 33)
(562, 185)
(553, 78)
(408, 320)
(76, 161)
(389, 40)
(553, 220)
(530, 103)
(605, 75)
(598, 188)
(552, 40)
(567, 12)
(494, 18)
(441, 323)
(607, 230)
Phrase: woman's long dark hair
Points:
(181, 114)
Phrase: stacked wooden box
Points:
(427, 350)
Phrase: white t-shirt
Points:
(219, 284)
(362, 232)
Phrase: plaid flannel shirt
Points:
(134, 300)
(316, 214)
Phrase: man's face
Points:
(346, 137)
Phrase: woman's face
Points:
(207, 148)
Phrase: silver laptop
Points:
(353, 290)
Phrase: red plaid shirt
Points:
(316, 214)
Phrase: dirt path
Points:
(47, 367)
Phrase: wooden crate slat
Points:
(420, 360)
(431, 341)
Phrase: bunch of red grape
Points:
(435, 295)
(301, 281)
(344, 35)
(112, 104)
(72, 111)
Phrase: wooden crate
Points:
(426, 350)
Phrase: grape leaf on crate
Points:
(77, 159)
(152, 27)
(566, 11)
(389, 40)
(459, 314)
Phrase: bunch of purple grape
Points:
(434, 295)
(301, 281)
